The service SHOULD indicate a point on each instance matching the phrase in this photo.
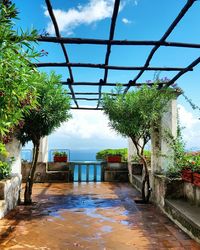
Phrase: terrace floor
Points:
(89, 216)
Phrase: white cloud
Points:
(90, 13)
(87, 129)
(125, 21)
(191, 131)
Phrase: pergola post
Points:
(162, 152)
(14, 150)
(43, 151)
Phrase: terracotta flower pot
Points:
(114, 158)
(187, 175)
(60, 158)
(196, 179)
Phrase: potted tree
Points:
(60, 156)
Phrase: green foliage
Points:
(147, 155)
(53, 109)
(17, 95)
(57, 153)
(173, 172)
(133, 114)
(5, 169)
(182, 160)
(5, 162)
(101, 155)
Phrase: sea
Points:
(73, 155)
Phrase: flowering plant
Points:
(192, 161)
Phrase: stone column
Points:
(131, 152)
(43, 151)
(14, 150)
(162, 153)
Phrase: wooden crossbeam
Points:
(177, 76)
(106, 67)
(107, 84)
(68, 40)
(92, 93)
(87, 99)
(103, 66)
(87, 108)
(108, 51)
(50, 10)
(163, 38)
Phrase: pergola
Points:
(162, 42)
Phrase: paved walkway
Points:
(99, 216)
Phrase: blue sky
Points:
(137, 20)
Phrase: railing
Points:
(87, 171)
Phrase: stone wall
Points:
(115, 172)
(9, 194)
(191, 193)
(51, 172)
(14, 150)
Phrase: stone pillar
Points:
(162, 153)
(131, 150)
(14, 150)
(43, 151)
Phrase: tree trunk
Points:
(146, 189)
(30, 180)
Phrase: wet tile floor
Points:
(97, 216)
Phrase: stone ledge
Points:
(185, 215)
(9, 194)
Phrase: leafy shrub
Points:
(5, 169)
(60, 154)
(101, 155)
(173, 172)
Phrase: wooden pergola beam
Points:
(108, 51)
(50, 10)
(181, 14)
(103, 66)
(87, 108)
(106, 67)
(177, 76)
(107, 84)
(93, 93)
(68, 40)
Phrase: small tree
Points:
(17, 94)
(133, 115)
(53, 109)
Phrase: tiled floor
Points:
(101, 216)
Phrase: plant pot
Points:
(136, 168)
(114, 159)
(196, 179)
(187, 175)
(60, 158)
